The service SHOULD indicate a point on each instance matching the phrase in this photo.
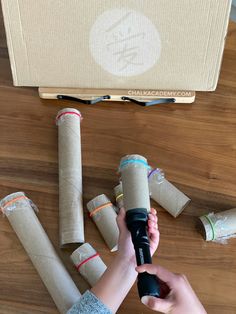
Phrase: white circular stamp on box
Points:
(124, 42)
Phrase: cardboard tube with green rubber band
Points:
(218, 226)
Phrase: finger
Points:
(121, 220)
(154, 235)
(152, 224)
(160, 305)
(154, 244)
(162, 273)
(152, 229)
(121, 215)
(153, 217)
(153, 211)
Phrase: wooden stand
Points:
(118, 94)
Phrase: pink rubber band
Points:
(68, 112)
(86, 260)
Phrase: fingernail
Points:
(144, 300)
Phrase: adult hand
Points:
(181, 299)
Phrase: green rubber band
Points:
(212, 226)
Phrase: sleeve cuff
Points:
(89, 303)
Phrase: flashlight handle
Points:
(137, 224)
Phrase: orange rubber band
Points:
(13, 201)
(99, 208)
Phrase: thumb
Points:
(155, 304)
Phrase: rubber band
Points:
(212, 226)
(99, 208)
(160, 175)
(86, 260)
(13, 201)
(152, 172)
(68, 112)
(119, 196)
(134, 161)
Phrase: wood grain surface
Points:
(194, 144)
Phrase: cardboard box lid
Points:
(148, 44)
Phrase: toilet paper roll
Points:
(134, 171)
(103, 214)
(88, 263)
(219, 226)
(71, 222)
(166, 194)
(19, 211)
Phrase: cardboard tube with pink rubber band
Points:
(88, 263)
(71, 220)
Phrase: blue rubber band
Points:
(134, 161)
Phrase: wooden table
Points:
(194, 144)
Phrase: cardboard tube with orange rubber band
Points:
(103, 213)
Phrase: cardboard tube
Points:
(134, 171)
(118, 190)
(18, 209)
(167, 195)
(71, 221)
(162, 191)
(89, 263)
(103, 214)
(216, 226)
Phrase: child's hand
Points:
(153, 231)
(125, 245)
